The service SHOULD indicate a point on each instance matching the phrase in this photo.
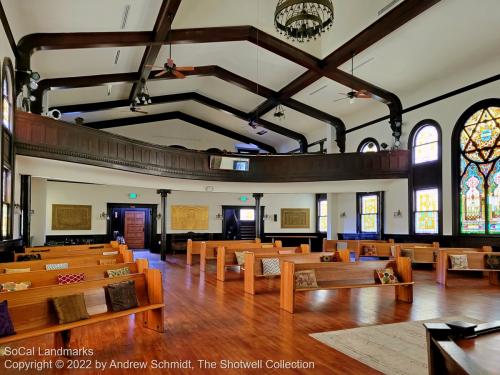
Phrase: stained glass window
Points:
(368, 145)
(480, 173)
(427, 211)
(425, 147)
(369, 214)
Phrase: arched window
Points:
(478, 135)
(425, 146)
(7, 148)
(425, 178)
(369, 145)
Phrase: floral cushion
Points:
(56, 266)
(459, 262)
(271, 267)
(118, 272)
(387, 276)
(305, 279)
(12, 286)
(70, 278)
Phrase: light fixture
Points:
(398, 213)
(279, 113)
(103, 216)
(343, 214)
(218, 217)
(158, 217)
(303, 20)
(384, 146)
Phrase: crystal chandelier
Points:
(303, 20)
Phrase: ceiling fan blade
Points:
(154, 66)
(161, 73)
(178, 74)
(185, 68)
(338, 100)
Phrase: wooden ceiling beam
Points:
(178, 115)
(161, 30)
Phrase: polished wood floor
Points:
(206, 319)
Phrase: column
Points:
(26, 209)
(333, 216)
(258, 217)
(163, 211)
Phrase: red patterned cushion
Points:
(70, 278)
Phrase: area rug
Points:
(395, 349)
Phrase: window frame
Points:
(380, 213)
(415, 211)
(455, 170)
(425, 175)
(7, 157)
(365, 141)
(319, 199)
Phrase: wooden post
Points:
(249, 280)
(25, 209)
(163, 249)
(203, 256)
(189, 252)
(305, 249)
(221, 263)
(404, 292)
(128, 256)
(287, 293)
(153, 319)
(436, 331)
(258, 216)
(142, 265)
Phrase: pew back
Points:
(194, 247)
(43, 249)
(210, 252)
(442, 259)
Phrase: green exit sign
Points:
(132, 195)
(243, 198)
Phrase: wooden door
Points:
(134, 229)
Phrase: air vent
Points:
(364, 63)
(318, 90)
(262, 132)
(125, 16)
(387, 7)
(117, 57)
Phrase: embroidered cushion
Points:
(122, 296)
(95, 300)
(56, 266)
(70, 308)
(110, 253)
(271, 267)
(305, 279)
(24, 258)
(70, 278)
(240, 257)
(341, 245)
(17, 270)
(12, 286)
(387, 276)
(118, 272)
(107, 261)
(459, 262)
(6, 326)
(283, 252)
(493, 262)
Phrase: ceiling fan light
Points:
(33, 85)
(351, 100)
(137, 100)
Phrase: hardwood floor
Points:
(210, 320)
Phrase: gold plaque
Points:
(71, 217)
(189, 217)
(295, 218)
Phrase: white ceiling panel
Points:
(242, 58)
(295, 121)
(87, 95)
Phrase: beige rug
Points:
(395, 349)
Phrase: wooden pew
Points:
(194, 247)
(33, 315)
(43, 249)
(62, 253)
(442, 259)
(93, 272)
(476, 263)
(226, 256)
(253, 264)
(209, 252)
(419, 253)
(73, 261)
(353, 245)
(340, 275)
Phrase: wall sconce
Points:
(17, 209)
(103, 216)
(343, 215)
(218, 216)
(270, 217)
(158, 216)
(398, 213)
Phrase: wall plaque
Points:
(189, 217)
(71, 217)
(295, 217)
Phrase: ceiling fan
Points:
(171, 68)
(353, 94)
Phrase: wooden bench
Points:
(476, 262)
(194, 247)
(62, 253)
(73, 261)
(354, 245)
(33, 315)
(92, 272)
(226, 256)
(419, 253)
(43, 249)
(209, 252)
(340, 275)
(253, 264)
(442, 259)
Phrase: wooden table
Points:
(285, 236)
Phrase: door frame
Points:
(232, 207)
(151, 222)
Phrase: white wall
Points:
(99, 195)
